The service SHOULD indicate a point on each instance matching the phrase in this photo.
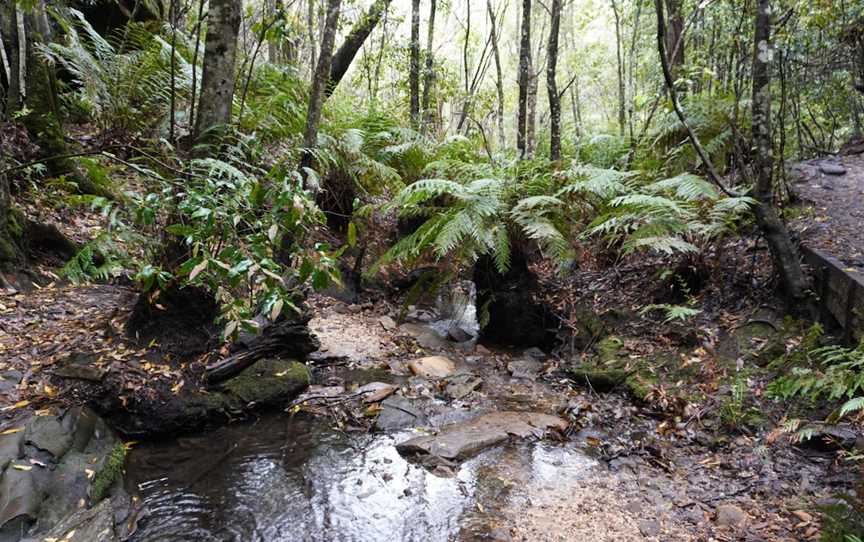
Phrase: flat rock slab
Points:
(432, 367)
(832, 169)
(464, 440)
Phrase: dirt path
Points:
(832, 192)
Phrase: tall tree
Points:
(341, 61)
(429, 70)
(551, 86)
(319, 83)
(524, 76)
(675, 34)
(616, 10)
(499, 81)
(414, 71)
(783, 252)
(218, 72)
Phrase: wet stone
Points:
(48, 434)
(461, 385)
(464, 440)
(398, 413)
(528, 368)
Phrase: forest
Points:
(431, 270)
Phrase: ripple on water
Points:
(282, 479)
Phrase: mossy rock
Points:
(758, 342)
(640, 384)
(599, 378)
(609, 349)
(269, 381)
(111, 472)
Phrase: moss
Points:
(112, 469)
(598, 378)
(609, 349)
(269, 381)
(639, 385)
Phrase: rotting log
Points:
(841, 292)
(287, 338)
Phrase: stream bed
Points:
(283, 478)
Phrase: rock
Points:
(412, 329)
(829, 168)
(47, 433)
(464, 440)
(598, 378)
(432, 367)
(375, 392)
(431, 340)
(458, 335)
(649, 527)
(729, 515)
(482, 350)
(528, 368)
(10, 448)
(80, 367)
(93, 525)
(19, 498)
(269, 381)
(388, 323)
(460, 385)
(829, 438)
(398, 413)
(534, 353)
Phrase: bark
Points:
(310, 26)
(414, 73)
(429, 71)
(524, 76)
(783, 252)
(499, 81)
(674, 41)
(551, 86)
(320, 82)
(217, 78)
(619, 57)
(14, 36)
(6, 72)
(341, 61)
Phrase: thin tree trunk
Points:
(4, 61)
(218, 74)
(619, 57)
(499, 81)
(631, 70)
(675, 34)
(429, 71)
(343, 57)
(576, 105)
(414, 72)
(310, 26)
(194, 99)
(551, 86)
(524, 75)
(319, 84)
(783, 252)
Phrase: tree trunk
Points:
(14, 37)
(551, 86)
(341, 61)
(619, 57)
(524, 76)
(217, 78)
(783, 252)
(429, 71)
(675, 32)
(499, 81)
(414, 72)
(319, 82)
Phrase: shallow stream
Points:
(284, 479)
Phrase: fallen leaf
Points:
(19, 404)
(22, 467)
(11, 431)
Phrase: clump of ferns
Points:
(465, 220)
(681, 215)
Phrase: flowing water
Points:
(285, 479)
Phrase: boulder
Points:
(375, 392)
(432, 367)
(463, 440)
(829, 168)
